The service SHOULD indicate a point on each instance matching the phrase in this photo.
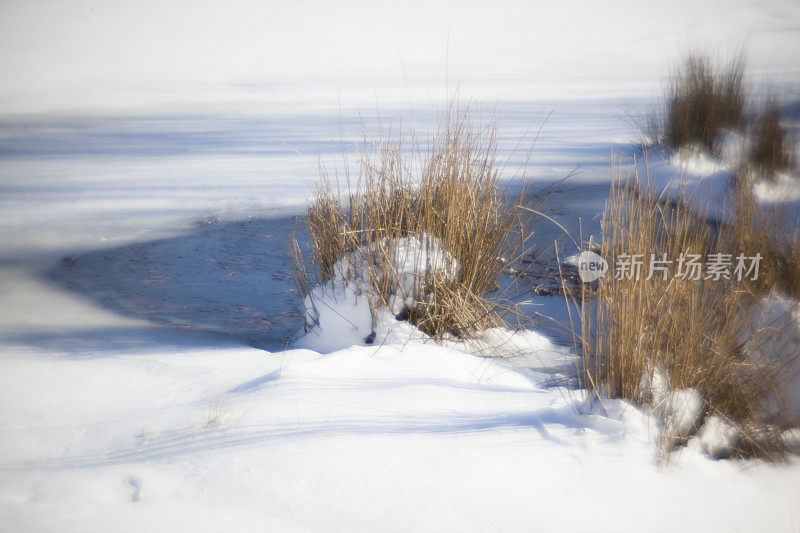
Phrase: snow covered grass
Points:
(429, 249)
(661, 339)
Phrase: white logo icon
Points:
(591, 266)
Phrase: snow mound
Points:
(718, 437)
(680, 412)
(707, 181)
(412, 259)
(346, 310)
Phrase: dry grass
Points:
(772, 147)
(691, 330)
(457, 199)
(791, 271)
(701, 334)
(755, 230)
(702, 100)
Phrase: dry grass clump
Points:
(772, 147)
(702, 100)
(690, 330)
(780, 258)
(456, 199)
(792, 269)
(755, 231)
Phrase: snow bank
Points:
(705, 180)
(694, 176)
(401, 435)
(398, 437)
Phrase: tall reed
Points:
(662, 322)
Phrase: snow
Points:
(700, 179)
(718, 437)
(346, 310)
(285, 55)
(706, 182)
(407, 260)
(679, 413)
(398, 436)
(412, 259)
(150, 142)
(386, 437)
(783, 188)
(392, 438)
(342, 313)
(774, 335)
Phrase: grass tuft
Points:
(702, 100)
(457, 199)
(698, 333)
(771, 147)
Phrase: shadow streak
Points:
(226, 278)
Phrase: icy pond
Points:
(184, 220)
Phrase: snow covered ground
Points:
(707, 181)
(152, 157)
(151, 428)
